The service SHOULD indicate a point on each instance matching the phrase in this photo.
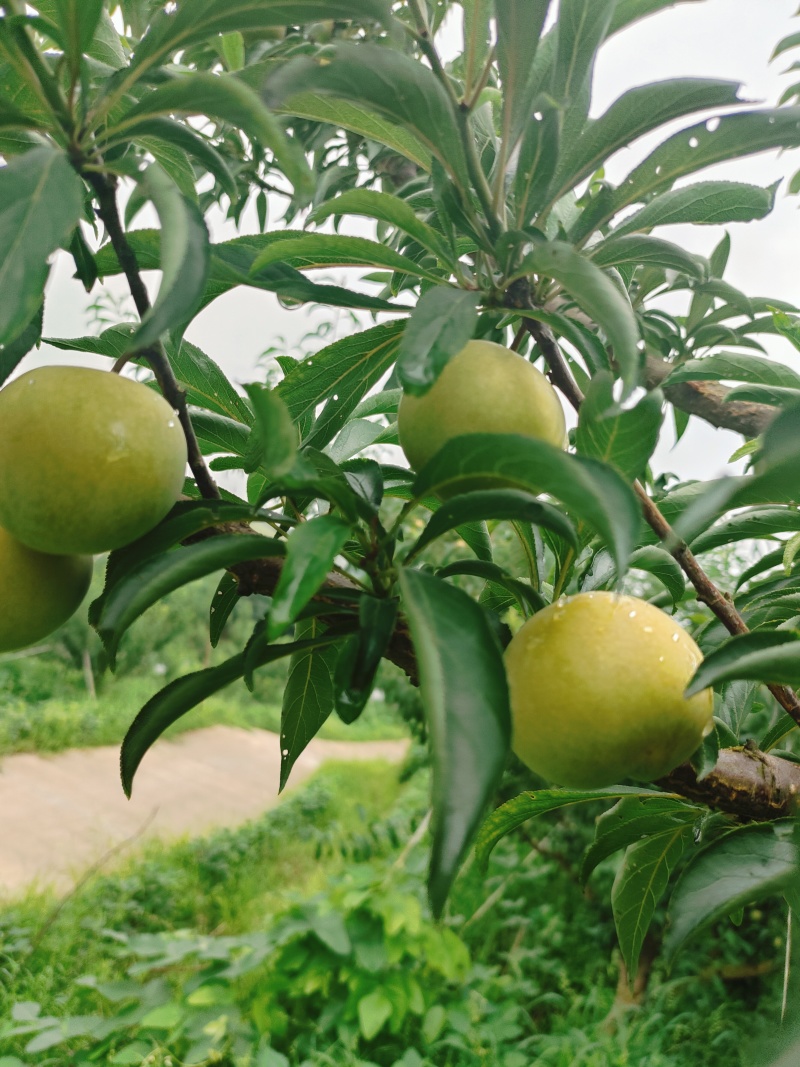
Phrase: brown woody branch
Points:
(108, 212)
(707, 591)
(708, 401)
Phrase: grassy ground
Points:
(81, 721)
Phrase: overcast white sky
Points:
(715, 38)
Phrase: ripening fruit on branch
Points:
(597, 683)
(486, 388)
(38, 592)
(89, 461)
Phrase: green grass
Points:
(79, 721)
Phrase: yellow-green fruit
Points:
(597, 683)
(89, 461)
(486, 388)
(38, 592)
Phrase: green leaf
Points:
(629, 11)
(374, 1011)
(222, 98)
(184, 259)
(538, 157)
(226, 597)
(735, 367)
(180, 696)
(773, 395)
(359, 659)
(440, 326)
(647, 251)
(477, 39)
(154, 579)
(581, 28)
(632, 819)
(308, 696)
(311, 549)
(744, 866)
(393, 85)
(632, 115)
(198, 20)
(528, 805)
(41, 203)
(312, 251)
(595, 293)
(773, 658)
(748, 525)
(480, 506)
(528, 599)
(317, 107)
(519, 29)
(702, 204)
(624, 438)
(159, 134)
(216, 433)
(465, 694)
(341, 373)
(13, 352)
(78, 21)
(699, 146)
(591, 490)
(389, 209)
(275, 437)
(641, 883)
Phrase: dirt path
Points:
(62, 813)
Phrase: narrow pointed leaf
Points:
(313, 251)
(634, 114)
(648, 251)
(591, 490)
(519, 29)
(514, 813)
(595, 294)
(156, 578)
(308, 696)
(699, 146)
(394, 86)
(355, 670)
(465, 694)
(641, 883)
(41, 203)
(581, 28)
(311, 549)
(180, 696)
(275, 435)
(742, 867)
(480, 506)
(773, 658)
(226, 597)
(184, 259)
(442, 323)
(632, 819)
(735, 367)
(702, 204)
(389, 209)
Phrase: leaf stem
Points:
(108, 212)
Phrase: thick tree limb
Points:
(745, 782)
(707, 401)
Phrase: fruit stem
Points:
(108, 212)
(707, 591)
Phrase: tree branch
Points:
(707, 401)
(706, 591)
(108, 212)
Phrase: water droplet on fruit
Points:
(676, 637)
(171, 424)
(648, 629)
(631, 614)
(660, 659)
(561, 601)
